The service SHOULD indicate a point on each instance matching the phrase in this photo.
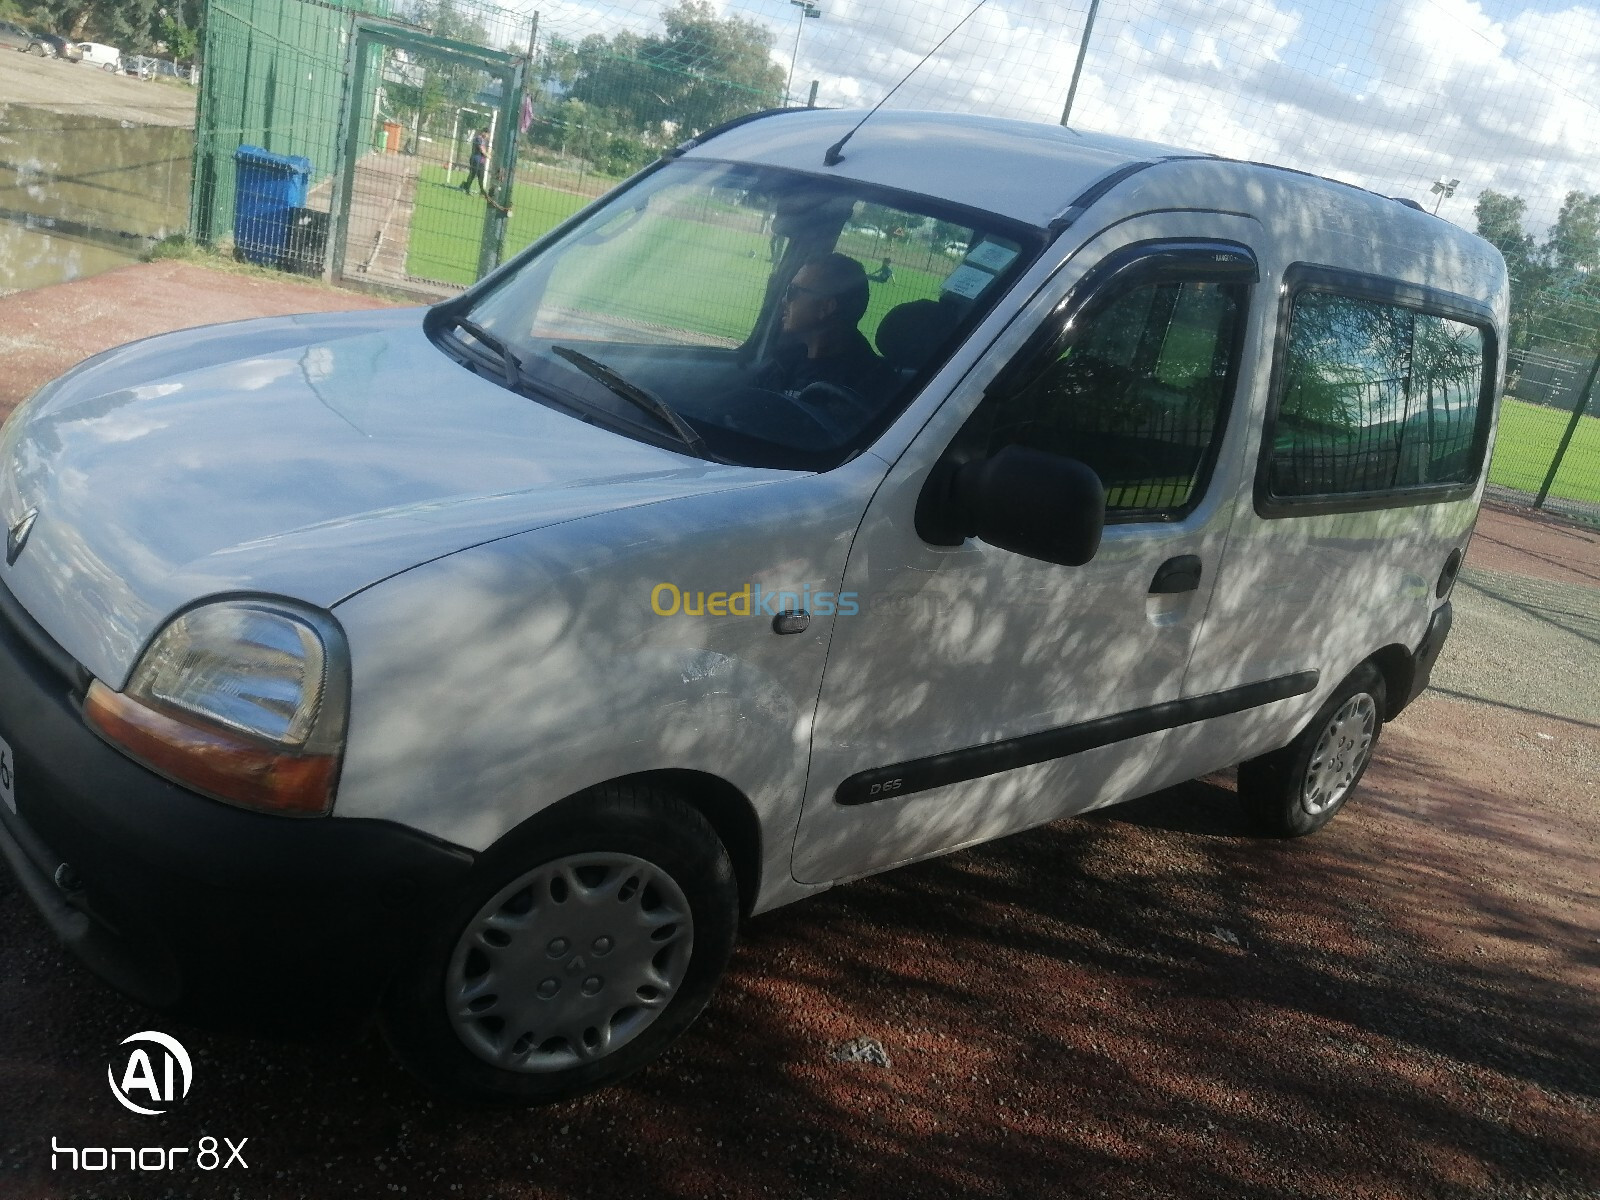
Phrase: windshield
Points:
(745, 314)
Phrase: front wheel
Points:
(1298, 789)
(110, 68)
(588, 941)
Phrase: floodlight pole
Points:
(807, 9)
(1077, 70)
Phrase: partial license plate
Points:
(8, 776)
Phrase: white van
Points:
(487, 663)
(100, 55)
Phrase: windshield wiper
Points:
(636, 395)
(508, 361)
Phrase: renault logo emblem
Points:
(17, 537)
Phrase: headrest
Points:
(911, 333)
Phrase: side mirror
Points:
(1046, 506)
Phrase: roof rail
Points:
(1110, 180)
(1355, 187)
(701, 139)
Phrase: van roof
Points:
(1025, 170)
(1029, 171)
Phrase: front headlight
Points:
(244, 700)
(249, 667)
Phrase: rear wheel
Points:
(1298, 789)
(587, 942)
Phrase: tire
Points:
(585, 943)
(1298, 789)
(110, 69)
(37, 49)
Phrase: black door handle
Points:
(1181, 574)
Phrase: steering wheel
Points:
(790, 420)
(842, 410)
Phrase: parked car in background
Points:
(48, 45)
(147, 67)
(98, 54)
(14, 35)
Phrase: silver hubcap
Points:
(1341, 752)
(569, 962)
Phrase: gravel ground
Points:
(48, 329)
(66, 87)
(1529, 643)
(1143, 1003)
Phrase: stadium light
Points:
(807, 9)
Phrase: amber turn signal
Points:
(215, 761)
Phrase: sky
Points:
(1387, 94)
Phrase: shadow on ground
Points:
(1146, 1002)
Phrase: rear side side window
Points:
(1376, 400)
(1139, 392)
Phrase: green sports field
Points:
(447, 229)
(1528, 437)
(447, 225)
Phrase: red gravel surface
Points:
(1147, 1002)
(47, 330)
(1519, 541)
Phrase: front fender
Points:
(492, 683)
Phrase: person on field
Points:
(477, 162)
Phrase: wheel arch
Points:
(730, 814)
(1398, 668)
(726, 809)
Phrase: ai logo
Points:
(152, 1072)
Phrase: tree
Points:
(174, 30)
(614, 76)
(445, 86)
(1574, 241)
(558, 63)
(1500, 220)
(1555, 286)
(700, 71)
(571, 127)
(127, 24)
(726, 64)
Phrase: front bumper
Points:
(181, 901)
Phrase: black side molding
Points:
(1427, 654)
(958, 766)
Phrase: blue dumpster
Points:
(266, 187)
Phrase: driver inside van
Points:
(821, 309)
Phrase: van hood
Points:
(302, 457)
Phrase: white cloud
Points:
(1389, 94)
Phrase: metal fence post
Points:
(1578, 409)
(513, 85)
(351, 131)
(202, 166)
